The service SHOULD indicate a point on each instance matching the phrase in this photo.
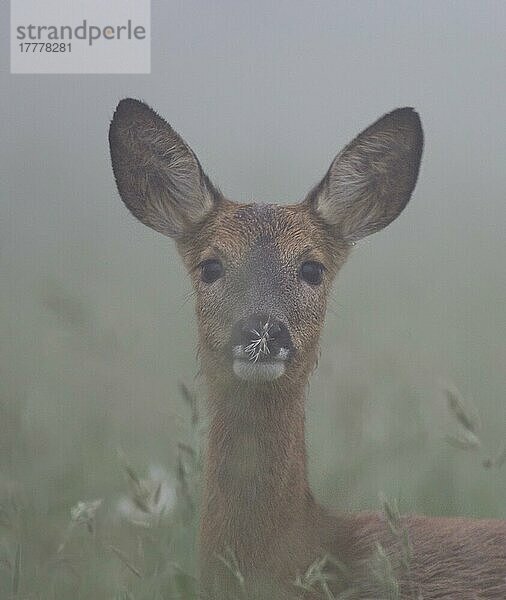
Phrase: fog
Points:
(97, 324)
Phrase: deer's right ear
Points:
(158, 176)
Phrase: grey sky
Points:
(267, 93)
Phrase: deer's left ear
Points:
(371, 180)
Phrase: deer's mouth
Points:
(258, 368)
(261, 346)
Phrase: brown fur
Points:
(257, 503)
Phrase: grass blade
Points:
(16, 573)
(126, 562)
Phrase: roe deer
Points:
(262, 274)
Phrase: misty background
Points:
(97, 326)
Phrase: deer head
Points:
(262, 273)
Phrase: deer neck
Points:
(256, 490)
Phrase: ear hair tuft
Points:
(371, 180)
(157, 174)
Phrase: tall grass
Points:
(100, 465)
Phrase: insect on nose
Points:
(262, 337)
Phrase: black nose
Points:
(261, 336)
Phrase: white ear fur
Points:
(370, 181)
(158, 176)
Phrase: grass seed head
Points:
(259, 346)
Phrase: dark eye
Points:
(211, 270)
(311, 272)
